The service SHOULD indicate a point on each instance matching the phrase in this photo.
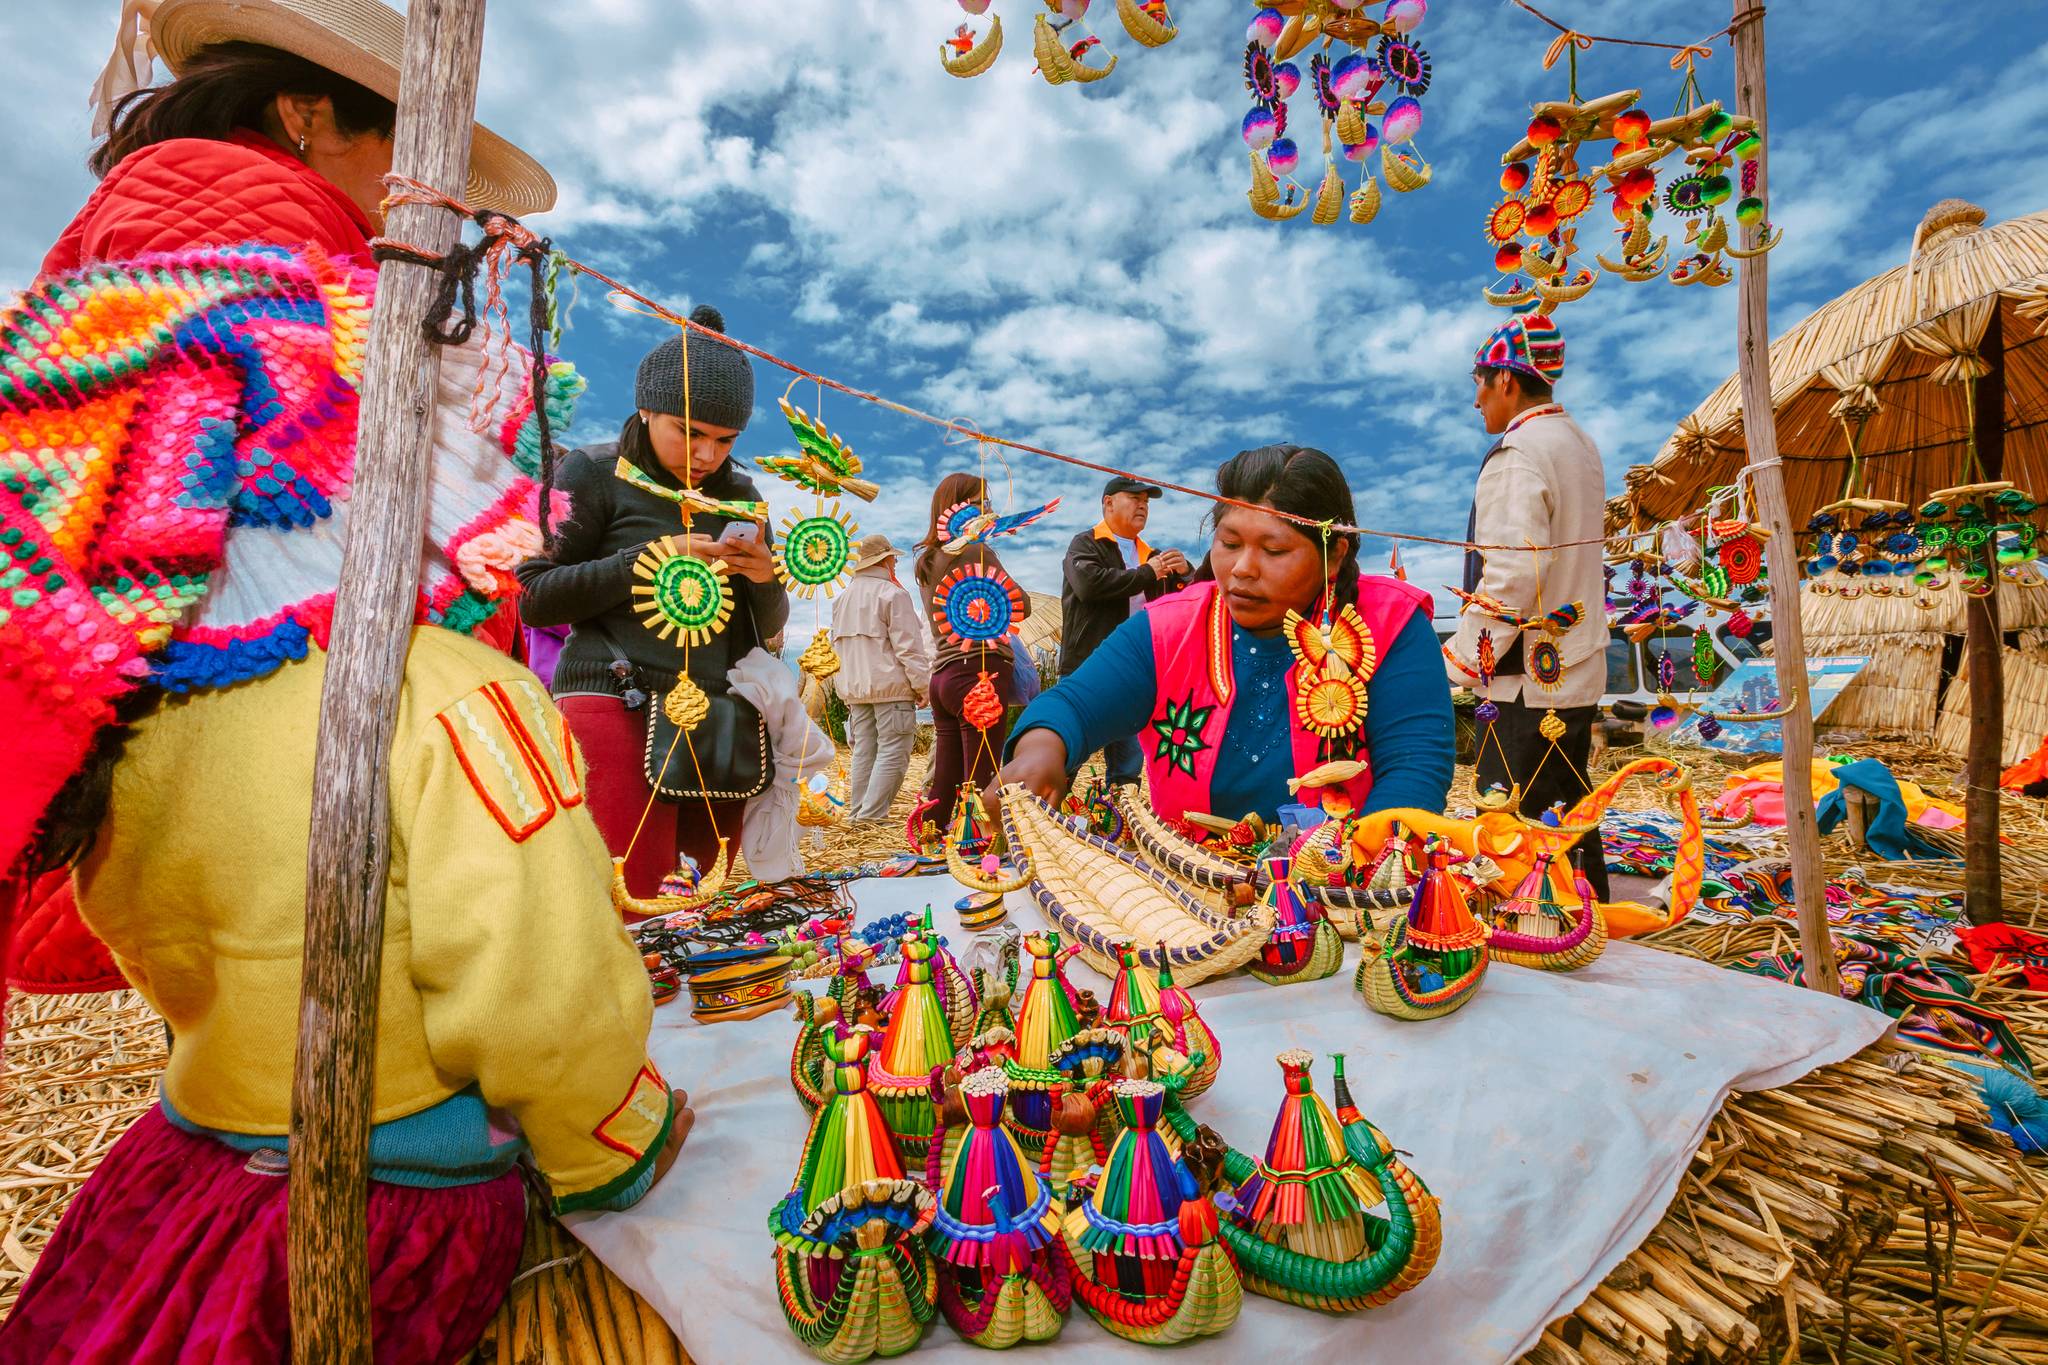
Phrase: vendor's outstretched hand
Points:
(678, 1132)
(1037, 761)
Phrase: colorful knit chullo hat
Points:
(1527, 343)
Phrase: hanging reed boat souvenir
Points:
(1148, 1264)
(1432, 960)
(995, 1233)
(1299, 1219)
(1142, 992)
(683, 889)
(975, 853)
(1303, 945)
(1224, 883)
(1530, 928)
(850, 1262)
(1105, 897)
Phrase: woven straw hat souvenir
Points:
(363, 40)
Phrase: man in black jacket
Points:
(1110, 572)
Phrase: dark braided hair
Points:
(76, 812)
(1301, 481)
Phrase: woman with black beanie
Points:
(693, 396)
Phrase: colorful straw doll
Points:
(1304, 945)
(916, 1041)
(1530, 928)
(1143, 1240)
(1299, 1221)
(850, 1262)
(1137, 993)
(1046, 1020)
(956, 992)
(1001, 1277)
(1431, 961)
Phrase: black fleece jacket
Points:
(587, 582)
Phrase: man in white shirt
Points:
(1541, 485)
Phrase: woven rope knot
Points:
(1565, 39)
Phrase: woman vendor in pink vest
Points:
(1208, 682)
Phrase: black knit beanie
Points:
(721, 378)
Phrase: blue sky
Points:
(1077, 268)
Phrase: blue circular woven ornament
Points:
(978, 603)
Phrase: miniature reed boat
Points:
(1300, 1219)
(1143, 1242)
(1304, 945)
(1530, 928)
(1325, 868)
(974, 855)
(1432, 960)
(1104, 896)
(995, 1234)
(850, 1263)
(1223, 882)
(683, 889)
(1140, 994)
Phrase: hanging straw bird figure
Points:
(984, 525)
(1142, 1243)
(975, 851)
(1336, 658)
(995, 1233)
(850, 1262)
(823, 465)
(1300, 1220)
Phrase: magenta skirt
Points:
(174, 1254)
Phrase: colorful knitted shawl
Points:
(177, 438)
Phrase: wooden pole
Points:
(350, 852)
(1767, 479)
(1983, 894)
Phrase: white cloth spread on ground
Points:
(1554, 1117)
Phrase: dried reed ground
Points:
(1816, 1225)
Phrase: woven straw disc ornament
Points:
(681, 594)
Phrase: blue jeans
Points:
(1122, 757)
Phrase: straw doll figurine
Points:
(1303, 945)
(1530, 928)
(1046, 1019)
(1139, 993)
(1143, 1239)
(1298, 1220)
(994, 1236)
(850, 1263)
(917, 1040)
(1431, 961)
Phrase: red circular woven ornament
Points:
(1505, 222)
(1743, 558)
(1570, 199)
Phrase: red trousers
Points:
(614, 742)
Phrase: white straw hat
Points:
(363, 40)
(872, 550)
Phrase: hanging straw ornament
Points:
(851, 1268)
(686, 704)
(1001, 1278)
(1551, 727)
(1546, 665)
(982, 707)
(680, 594)
(975, 604)
(816, 553)
(1300, 1220)
(1705, 662)
(973, 853)
(819, 659)
(1334, 661)
(823, 465)
(1143, 1245)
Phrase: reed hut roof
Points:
(1041, 629)
(1885, 363)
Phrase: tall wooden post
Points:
(350, 852)
(1767, 478)
(1983, 893)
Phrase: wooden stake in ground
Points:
(1983, 898)
(1767, 480)
(350, 853)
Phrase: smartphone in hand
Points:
(741, 530)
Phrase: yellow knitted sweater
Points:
(505, 965)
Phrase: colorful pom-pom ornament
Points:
(1402, 121)
(1265, 27)
(1750, 211)
(976, 603)
(679, 594)
(1740, 624)
(1486, 712)
(1638, 186)
(1717, 189)
(1631, 127)
(1540, 220)
(1286, 79)
(1663, 717)
(1710, 729)
(1544, 130)
(1403, 15)
(1283, 156)
(1352, 76)
(1260, 128)
(975, 6)
(1508, 258)
(1359, 151)
(1718, 122)
(1514, 176)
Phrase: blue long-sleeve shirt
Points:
(1409, 732)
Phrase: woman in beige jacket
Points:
(884, 675)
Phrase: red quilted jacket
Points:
(194, 191)
(175, 195)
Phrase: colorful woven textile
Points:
(177, 439)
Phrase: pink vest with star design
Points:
(1195, 690)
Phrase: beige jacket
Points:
(1545, 485)
(880, 639)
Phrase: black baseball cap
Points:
(1122, 483)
